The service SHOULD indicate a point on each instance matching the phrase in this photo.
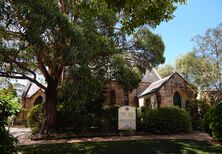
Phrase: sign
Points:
(127, 118)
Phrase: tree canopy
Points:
(203, 66)
(165, 70)
(208, 47)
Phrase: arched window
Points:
(177, 99)
(38, 100)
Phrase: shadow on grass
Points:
(122, 147)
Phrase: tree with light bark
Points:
(208, 48)
(82, 37)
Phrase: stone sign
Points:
(127, 118)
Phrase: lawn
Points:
(125, 147)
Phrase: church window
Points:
(177, 99)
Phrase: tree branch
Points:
(42, 67)
(24, 68)
(22, 76)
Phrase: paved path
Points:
(23, 135)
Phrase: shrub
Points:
(206, 122)
(34, 118)
(109, 119)
(213, 122)
(166, 120)
(197, 109)
(74, 120)
(8, 107)
(89, 119)
(8, 143)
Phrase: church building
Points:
(153, 91)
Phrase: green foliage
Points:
(209, 47)
(166, 121)
(149, 45)
(202, 67)
(197, 110)
(207, 121)
(109, 119)
(8, 143)
(89, 117)
(9, 106)
(165, 70)
(127, 76)
(78, 34)
(142, 12)
(34, 118)
(213, 122)
(192, 67)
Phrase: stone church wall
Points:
(175, 84)
(114, 94)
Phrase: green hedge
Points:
(100, 120)
(165, 121)
(213, 122)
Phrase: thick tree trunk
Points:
(49, 108)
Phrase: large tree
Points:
(208, 47)
(83, 36)
(203, 66)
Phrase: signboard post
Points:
(127, 118)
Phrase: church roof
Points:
(153, 87)
(30, 90)
(150, 76)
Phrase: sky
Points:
(190, 20)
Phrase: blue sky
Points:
(190, 20)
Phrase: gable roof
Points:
(155, 86)
(30, 90)
(150, 76)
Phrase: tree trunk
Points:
(49, 108)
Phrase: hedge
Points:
(213, 122)
(165, 121)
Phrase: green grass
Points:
(125, 147)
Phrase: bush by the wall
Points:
(34, 118)
(166, 121)
(74, 120)
(206, 122)
(197, 109)
(109, 119)
(213, 122)
(92, 117)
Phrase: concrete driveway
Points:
(20, 132)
